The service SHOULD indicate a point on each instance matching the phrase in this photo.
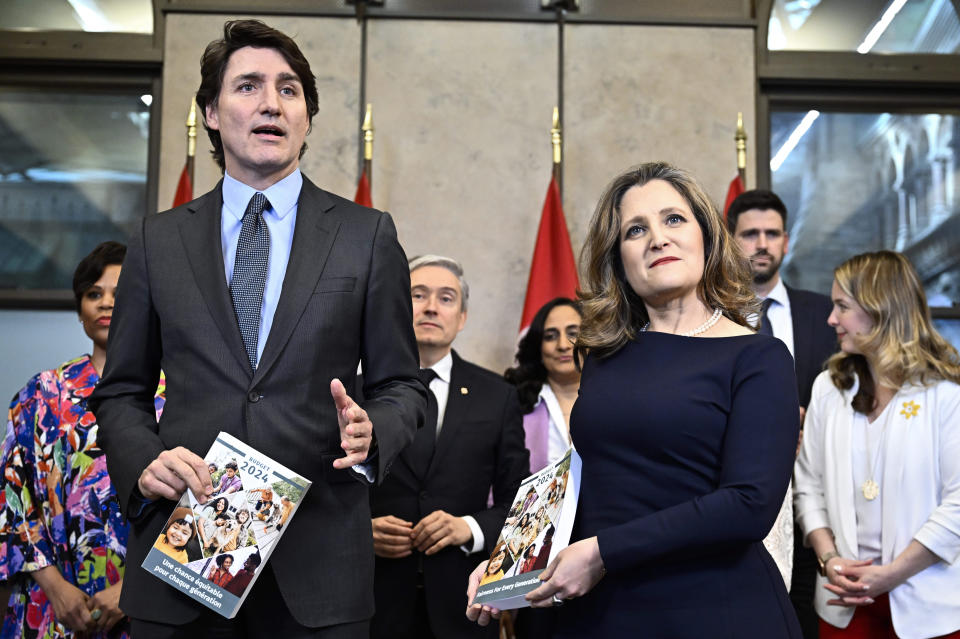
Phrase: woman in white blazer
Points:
(877, 483)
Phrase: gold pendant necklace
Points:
(870, 488)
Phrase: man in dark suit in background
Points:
(757, 219)
(432, 521)
(257, 299)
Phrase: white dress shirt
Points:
(558, 441)
(440, 386)
(781, 321)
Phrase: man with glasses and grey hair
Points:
(440, 509)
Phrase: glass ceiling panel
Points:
(115, 16)
(865, 26)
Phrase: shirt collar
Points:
(546, 393)
(443, 367)
(779, 294)
(282, 196)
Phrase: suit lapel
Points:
(200, 233)
(313, 236)
(454, 414)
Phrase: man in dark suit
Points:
(252, 298)
(432, 521)
(757, 219)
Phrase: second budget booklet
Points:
(537, 528)
(214, 551)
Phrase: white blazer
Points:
(919, 492)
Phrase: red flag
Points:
(553, 272)
(736, 188)
(363, 191)
(184, 189)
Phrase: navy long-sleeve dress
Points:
(687, 447)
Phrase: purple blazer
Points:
(536, 425)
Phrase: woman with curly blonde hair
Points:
(878, 478)
(686, 425)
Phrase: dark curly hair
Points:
(238, 34)
(91, 267)
(529, 374)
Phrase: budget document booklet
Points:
(213, 551)
(538, 527)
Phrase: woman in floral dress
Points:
(62, 536)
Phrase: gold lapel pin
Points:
(463, 390)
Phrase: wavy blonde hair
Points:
(903, 347)
(613, 313)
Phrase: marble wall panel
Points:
(636, 94)
(462, 112)
(331, 45)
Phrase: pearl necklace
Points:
(706, 326)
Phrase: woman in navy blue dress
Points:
(686, 424)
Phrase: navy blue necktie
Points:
(766, 328)
(250, 273)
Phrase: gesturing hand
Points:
(438, 530)
(172, 472)
(475, 612)
(574, 573)
(356, 430)
(391, 537)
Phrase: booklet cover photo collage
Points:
(537, 527)
(213, 551)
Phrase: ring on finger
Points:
(557, 601)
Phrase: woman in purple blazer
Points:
(548, 380)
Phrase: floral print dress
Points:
(57, 505)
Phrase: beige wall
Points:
(637, 94)
(462, 115)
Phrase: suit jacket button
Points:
(254, 396)
(423, 494)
